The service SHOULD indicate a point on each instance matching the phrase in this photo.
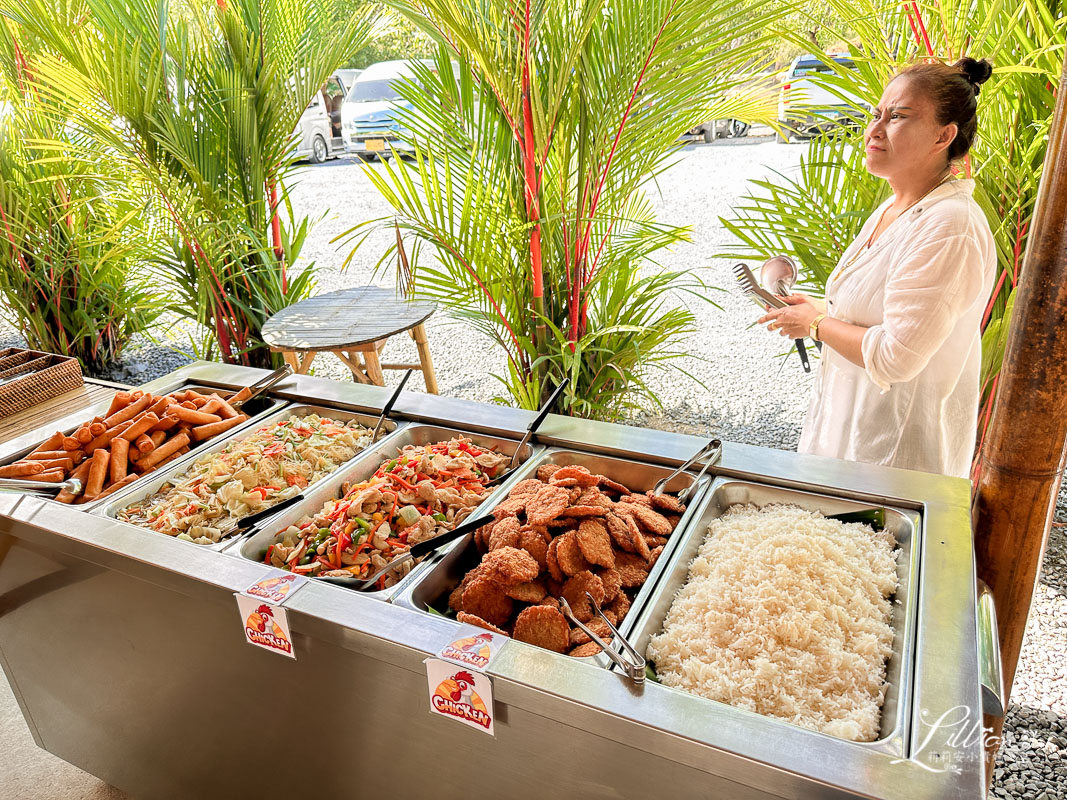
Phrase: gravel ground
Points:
(749, 394)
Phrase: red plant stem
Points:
(530, 168)
(615, 144)
(976, 470)
(922, 28)
(276, 232)
(993, 298)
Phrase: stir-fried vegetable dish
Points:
(424, 491)
(275, 462)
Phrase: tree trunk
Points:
(1023, 455)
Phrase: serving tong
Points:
(531, 429)
(38, 488)
(711, 453)
(629, 660)
(415, 552)
(778, 275)
(260, 386)
(389, 406)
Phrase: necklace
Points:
(867, 245)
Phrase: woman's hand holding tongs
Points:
(793, 320)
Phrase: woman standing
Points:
(901, 321)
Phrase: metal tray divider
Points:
(406, 598)
(133, 493)
(361, 468)
(676, 572)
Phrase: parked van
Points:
(318, 131)
(807, 107)
(369, 114)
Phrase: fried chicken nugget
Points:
(654, 541)
(578, 511)
(546, 471)
(612, 583)
(632, 569)
(595, 544)
(510, 565)
(637, 500)
(652, 521)
(511, 507)
(543, 626)
(471, 619)
(553, 562)
(589, 497)
(486, 599)
(545, 505)
(527, 592)
(582, 476)
(569, 554)
(574, 592)
(528, 486)
(585, 650)
(619, 607)
(549, 601)
(505, 533)
(619, 530)
(666, 502)
(597, 626)
(654, 557)
(673, 519)
(604, 482)
(637, 539)
(481, 537)
(455, 599)
(533, 542)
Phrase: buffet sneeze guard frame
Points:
(123, 648)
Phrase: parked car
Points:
(806, 106)
(369, 115)
(318, 131)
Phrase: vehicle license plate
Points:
(376, 145)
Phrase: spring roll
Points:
(120, 451)
(202, 432)
(83, 435)
(71, 443)
(104, 439)
(160, 405)
(139, 426)
(211, 406)
(167, 448)
(194, 417)
(65, 464)
(130, 411)
(244, 394)
(50, 476)
(189, 404)
(190, 395)
(114, 487)
(53, 442)
(166, 422)
(96, 429)
(224, 409)
(94, 484)
(47, 455)
(137, 394)
(22, 469)
(81, 474)
(144, 443)
(119, 402)
(158, 437)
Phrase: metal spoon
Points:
(389, 406)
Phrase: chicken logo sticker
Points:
(463, 695)
(474, 650)
(261, 629)
(276, 588)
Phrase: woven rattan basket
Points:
(46, 376)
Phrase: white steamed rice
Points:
(787, 614)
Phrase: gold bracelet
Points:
(813, 328)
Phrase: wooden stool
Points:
(353, 324)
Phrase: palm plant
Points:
(539, 129)
(73, 254)
(199, 101)
(816, 214)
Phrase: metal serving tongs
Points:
(417, 551)
(389, 406)
(531, 429)
(37, 488)
(635, 668)
(260, 386)
(775, 281)
(711, 453)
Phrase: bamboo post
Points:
(1023, 456)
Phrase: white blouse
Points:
(920, 290)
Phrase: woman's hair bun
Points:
(976, 71)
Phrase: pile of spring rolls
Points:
(140, 433)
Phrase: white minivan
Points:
(318, 131)
(369, 115)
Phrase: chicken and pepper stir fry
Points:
(426, 490)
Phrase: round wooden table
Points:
(353, 324)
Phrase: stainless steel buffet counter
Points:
(125, 652)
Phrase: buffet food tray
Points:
(261, 406)
(254, 546)
(432, 587)
(903, 524)
(140, 490)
